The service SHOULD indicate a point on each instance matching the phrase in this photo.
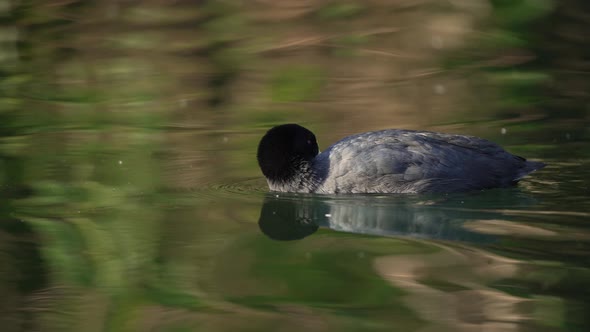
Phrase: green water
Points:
(130, 197)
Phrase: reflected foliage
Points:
(129, 192)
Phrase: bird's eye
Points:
(309, 141)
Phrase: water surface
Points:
(130, 198)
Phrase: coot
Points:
(386, 161)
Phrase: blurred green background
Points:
(129, 189)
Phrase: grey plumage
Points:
(406, 161)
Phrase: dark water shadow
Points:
(296, 216)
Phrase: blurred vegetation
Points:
(117, 117)
(532, 54)
(295, 84)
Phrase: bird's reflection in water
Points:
(295, 216)
(287, 218)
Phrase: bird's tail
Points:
(529, 167)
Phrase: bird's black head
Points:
(283, 149)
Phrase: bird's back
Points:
(395, 161)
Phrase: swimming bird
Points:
(386, 161)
